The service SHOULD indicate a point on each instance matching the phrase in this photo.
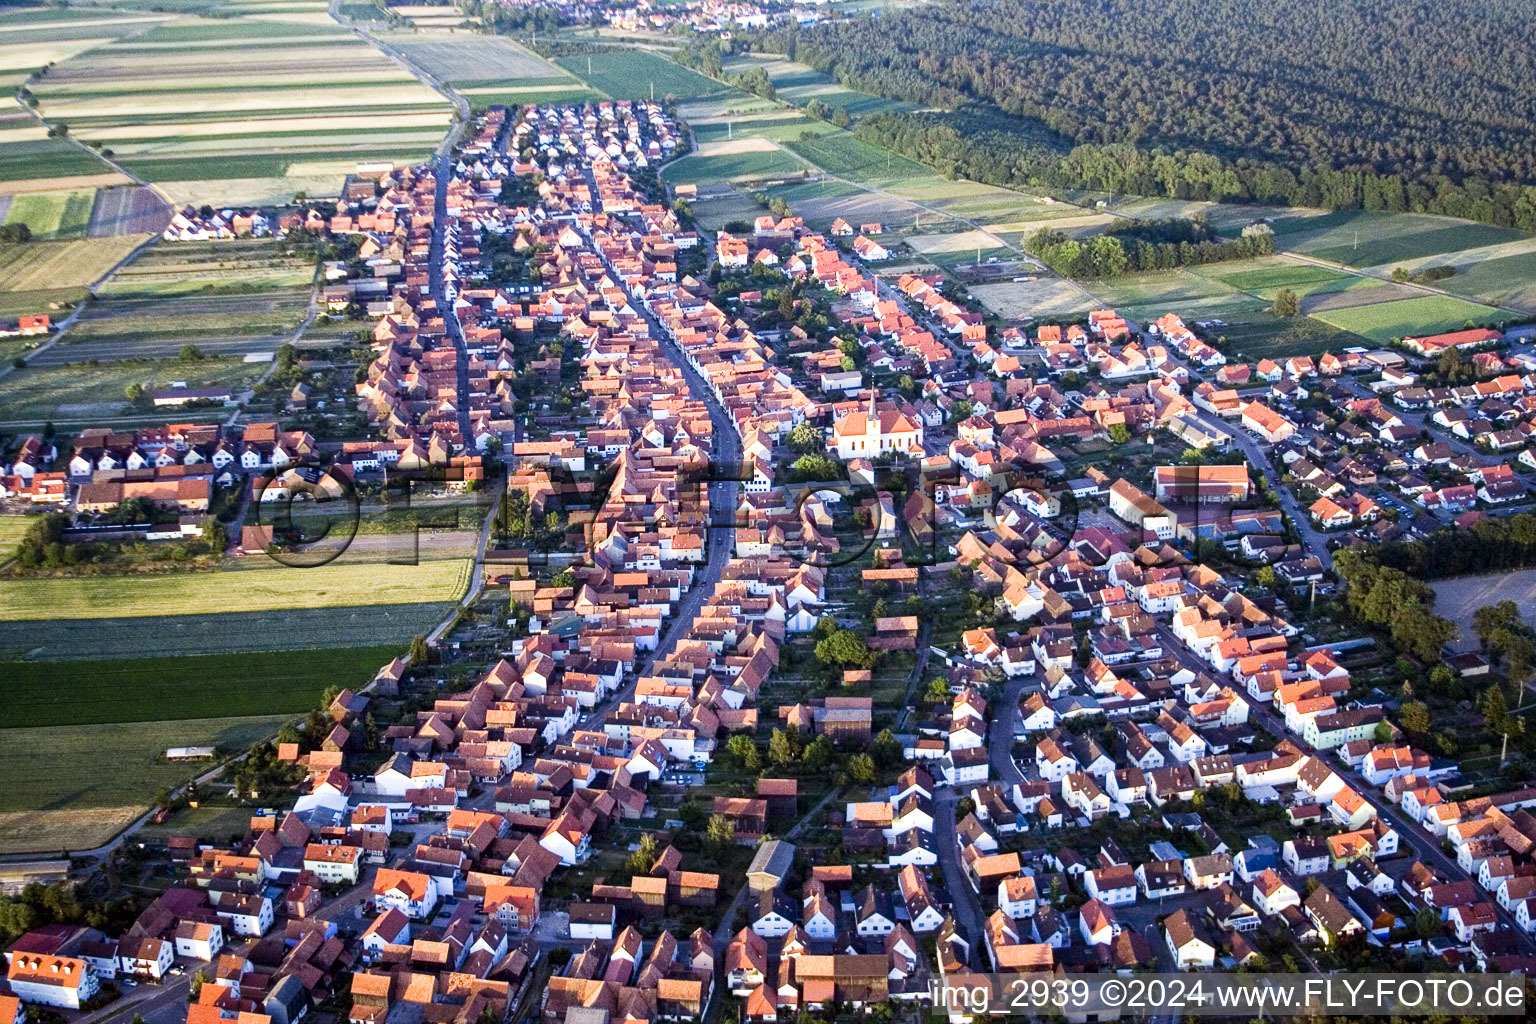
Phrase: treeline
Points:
(1348, 106)
(1492, 545)
(985, 146)
(1128, 252)
(1395, 603)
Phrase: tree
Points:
(134, 392)
(644, 856)
(861, 768)
(741, 747)
(938, 691)
(563, 578)
(1494, 707)
(1414, 717)
(1287, 304)
(1265, 577)
(818, 755)
(844, 647)
(1427, 923)
(1383, 732)
(781, 749)
(419, 653)
(720, 830)
(190, 353)
(1119, 433)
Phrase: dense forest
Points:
(1127, 247)
(1366, 104)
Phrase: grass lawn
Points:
(207, 822)
(75, 786)
(1429, 314)
(53, 215)
(1280, 276)
(269, 587)
(42, 693)
(640, 74)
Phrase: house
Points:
(770, 864)
(1333, 919)
(1097, 923)
(1189, 942)
(333, 865)
(199, 940)
(1272, 895)
(412, 893)
(1305, 856)
(590, 921)
(1114, 885)
(145, 957)
(60, 981)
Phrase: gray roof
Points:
(773, 858)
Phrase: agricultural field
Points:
(158, 327)
(848, 157)
(1046, 298)
(11, 530)
(715, 211)
(303, 102)
(1359, 239)
(53, 215)
(31, 38)
(1382, 322)
(45, 693)
(52, 804)
(461, 58)
(744, 160)
(76, 392)
(128, 211)
(210, 268)
(265, 587)
(780, 126)
(36, 276)
(488, 70)
(1261, 335)
(640, 74)
(799, 84)
(1504, 280)
(233, 632)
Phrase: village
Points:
(896, 647)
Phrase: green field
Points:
(247, 632)
(1506, 280)
(1388, 321)
(1363, 239)
(43, 693)
(734, 167)
(47, 158)
(73, 787)
(301, 102)
(11, 529)
(53, 215)
(780, 129)
(1281, 276)
(848, 157)
(254, 589)
(1263, 336)
(81, 390)
(640, 74)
